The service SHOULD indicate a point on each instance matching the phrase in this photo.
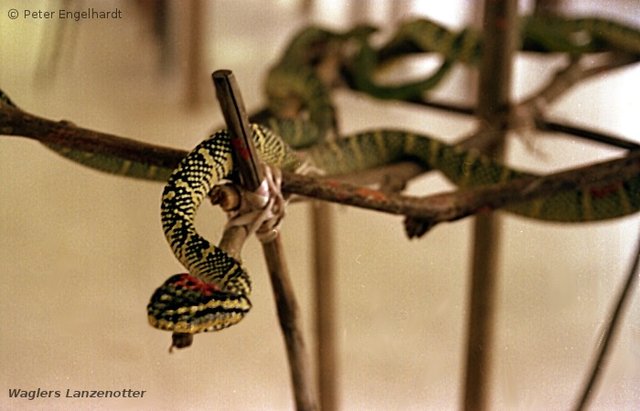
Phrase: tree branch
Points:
(451, 206)
(437, 208)
(17, 122)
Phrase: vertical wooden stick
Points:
(290, 323)
(323, 244)
(251, 176)
(499, 26)
(194, 57)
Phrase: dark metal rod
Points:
(235, 115)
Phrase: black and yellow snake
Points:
(214, 294)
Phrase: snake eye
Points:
(185, 304)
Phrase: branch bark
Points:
(438, 208)
(251, 178)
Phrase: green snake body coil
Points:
(470, 168)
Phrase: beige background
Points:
(81, 252)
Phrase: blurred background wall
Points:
(81, 252)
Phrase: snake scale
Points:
(214, 294)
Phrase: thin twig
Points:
(531, 111)
(587, 134)
(235, 116)
(251, 176)
(196, 43)
(612, 325)
(576, 72)
(289, 316)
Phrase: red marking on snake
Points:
(195, 284)
(605, 190)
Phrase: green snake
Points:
(215, 292)
(542, 34)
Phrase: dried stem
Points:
(251, 177)
(590, 135)
(531, 112)
(289, 317)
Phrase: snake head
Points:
(185, 304)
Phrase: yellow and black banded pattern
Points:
(215, 292)
(185, 304)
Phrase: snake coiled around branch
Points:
(215, 292)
